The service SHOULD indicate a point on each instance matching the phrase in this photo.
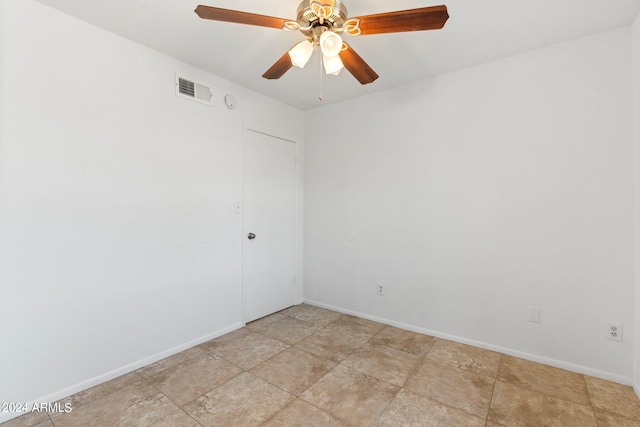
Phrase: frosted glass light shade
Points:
(332, 64)
(301, 53)
(330, 43)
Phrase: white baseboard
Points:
(508, 351)
(84, 385)
(636, 388)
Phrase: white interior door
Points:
(268, 224)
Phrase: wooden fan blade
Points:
(356, 66)
(235, 16)
(425, 18)
(278, 69)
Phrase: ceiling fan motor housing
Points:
(311, 25)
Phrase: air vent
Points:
(195, 91)
(185, 87)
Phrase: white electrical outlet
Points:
(380, 289)
(614, 331)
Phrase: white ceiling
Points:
(477, 31)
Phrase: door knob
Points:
(251, 236)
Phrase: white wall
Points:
(636, 194)
(479, 193)
(118, 237)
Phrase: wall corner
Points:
(635, 75)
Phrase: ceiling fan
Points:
(322, 22)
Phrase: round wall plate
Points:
(230, 101)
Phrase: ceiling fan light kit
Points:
(301, 53)
(322, 23)
(332, 64)
(330, 43)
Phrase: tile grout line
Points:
(493, 392)
(278, 411)
(295, 397)
(133, 373)
(595, 416)
(417, 365)
(298, 397)
(340, 364)
(436, 340)
(531, 389)
(401, 387)
(288, 347)
(180, 407)
(447, 364)
(168, 398)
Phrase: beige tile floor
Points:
(307, 366)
